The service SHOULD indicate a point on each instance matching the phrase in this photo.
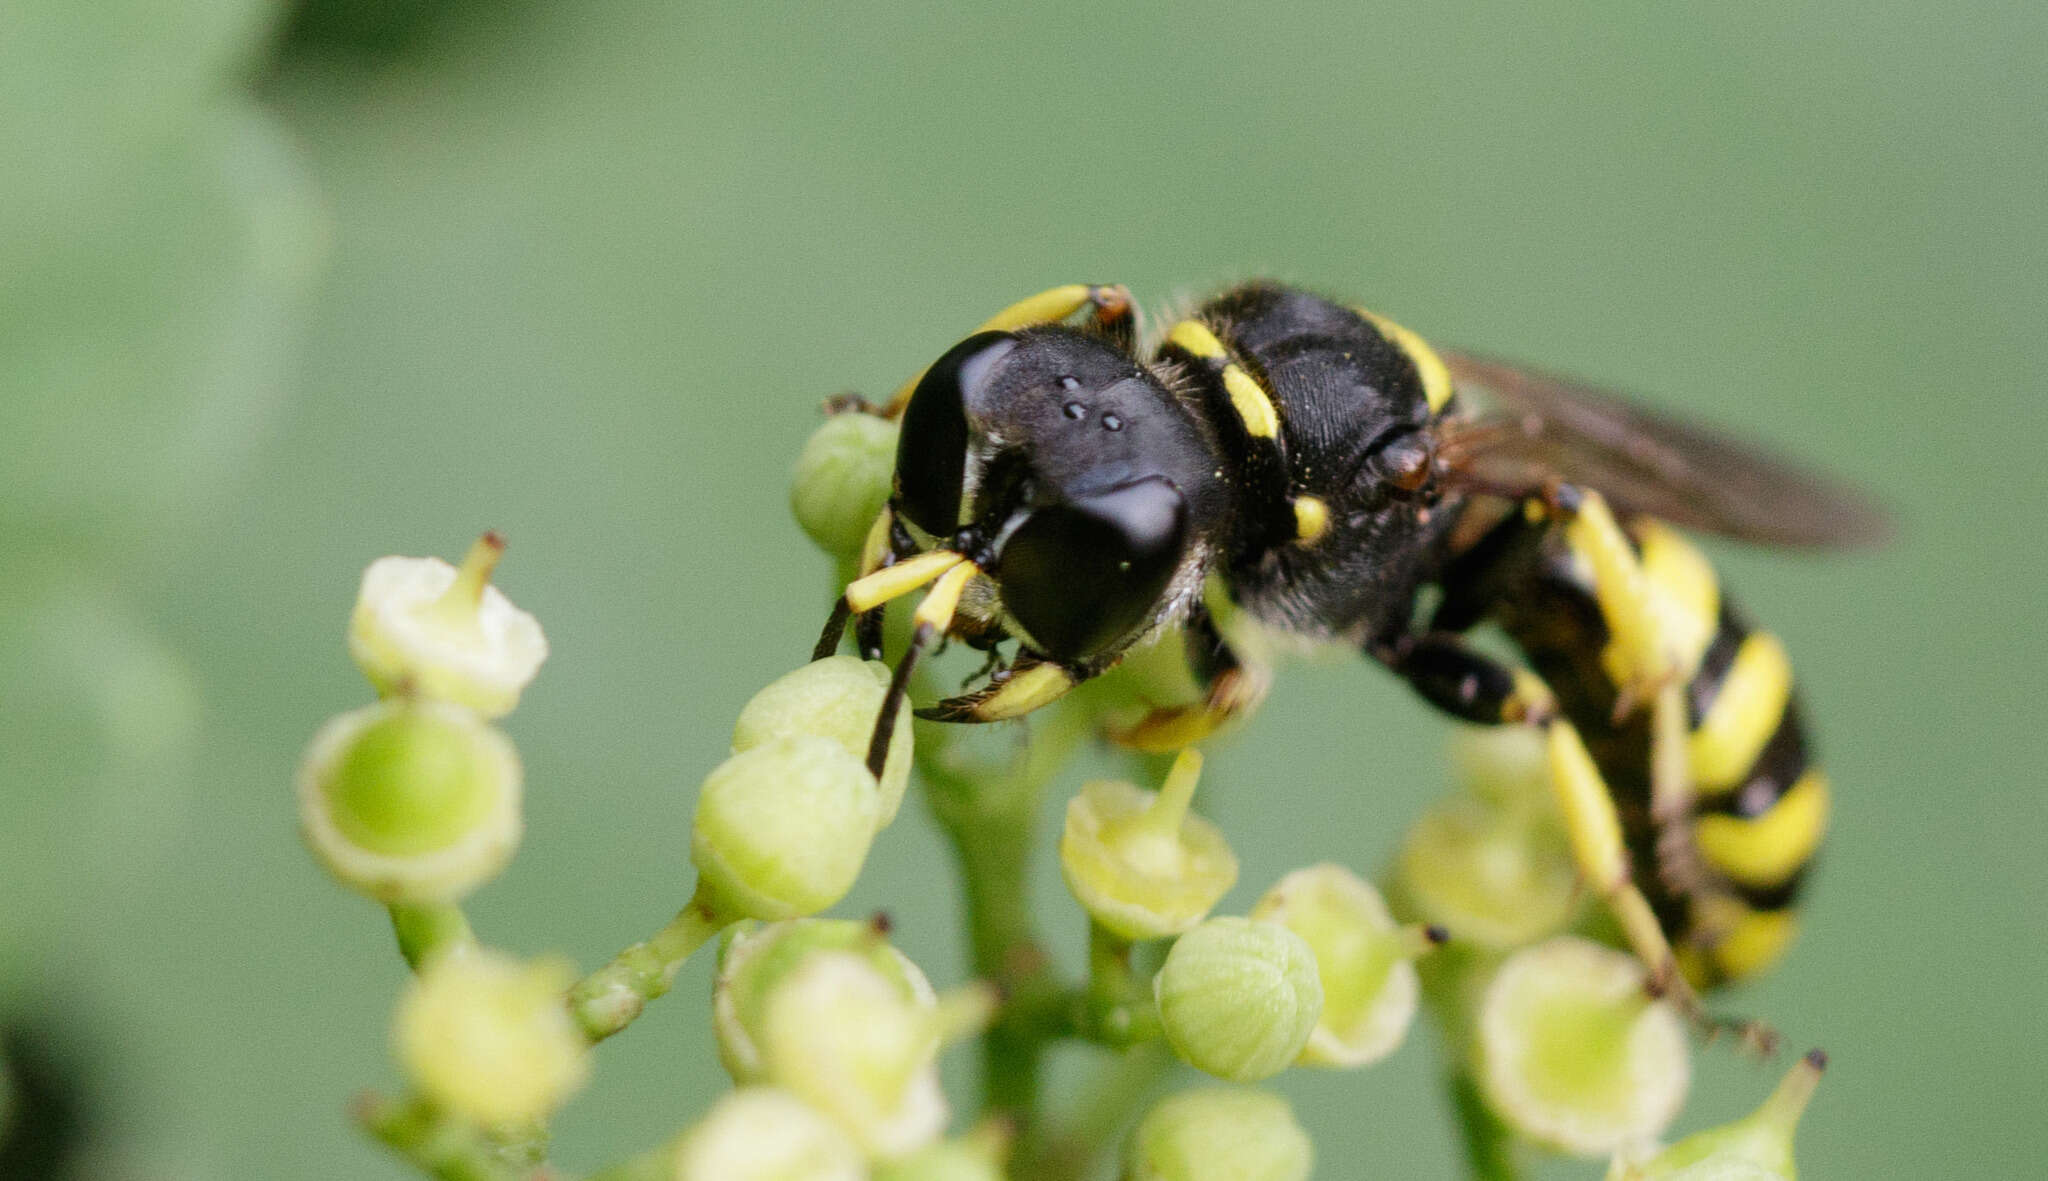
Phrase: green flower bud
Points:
(839, 1033)
(488, 1037)
(782, 829)
(1220, 1134)
(767, 1134)
(1499, 877)
(1757, 1147)
(1506, 765)
(977, 1156)
(837, 698)
(410, 801)
(755, 961)
(1362, 958)
(842, 480)
(426, 627)
(1140, 865)
(1573, 1053)
(1238, 998)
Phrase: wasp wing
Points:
(1538, 429)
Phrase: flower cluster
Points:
(833, 1037)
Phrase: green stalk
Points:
(437, 1147)
(1108, 1103)
(1117, 1009)
(425, 929)
(987, 815)
(656, 1164)
(1490, 1145)
(607, 1000)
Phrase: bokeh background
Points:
(286, 288)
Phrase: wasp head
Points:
(1072, 476)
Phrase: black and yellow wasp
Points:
(1325, 472)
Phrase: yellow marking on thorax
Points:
(1311, 518)
(1765, 851)
(1254, 408)
(1249, 398)
(1195, 337)
(1684, 594)
(1745, 713)
(1742, 941)
(1435, 375)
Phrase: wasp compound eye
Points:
(931, 455)
(1081, 574)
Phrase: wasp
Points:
(1327, 473)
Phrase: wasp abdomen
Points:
(1724, 877)
(1760, 806)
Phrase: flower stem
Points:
(1490, 1146)
(436, 1146)
(607, 1000)
(987, 814)
(460, 601)
(656, 1164)
(1117, 1009)
(427, 928)
(1108, 1102)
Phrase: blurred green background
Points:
(283, 290)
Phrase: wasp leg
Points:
(931, 620)
(1671, 792)
(1464, 682)
(1110, 307)
(1477, 688)
(886, 545)
(1602, 855)
(835, 630)
(1232, 688)
(1031, 682)
(1638, 657)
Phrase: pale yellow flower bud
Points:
(977, 1156)
(1220, 1134)
(837, 698)
(782, 829)
(1140, 865)
(1573, 1052)
(767, 1134)
(842, 480)
(410, 801)
(1238, 998)
(488, 1037)
(1362, 958)
(1757, 1147)
(756, 961)
(838, 1033)
(425, 627)
(1508, 765)
(1497, 876)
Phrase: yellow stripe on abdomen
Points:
(1768, 850)
(1734, 941)
(1429, 368)
(1745, 713)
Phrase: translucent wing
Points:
(1536, 429)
